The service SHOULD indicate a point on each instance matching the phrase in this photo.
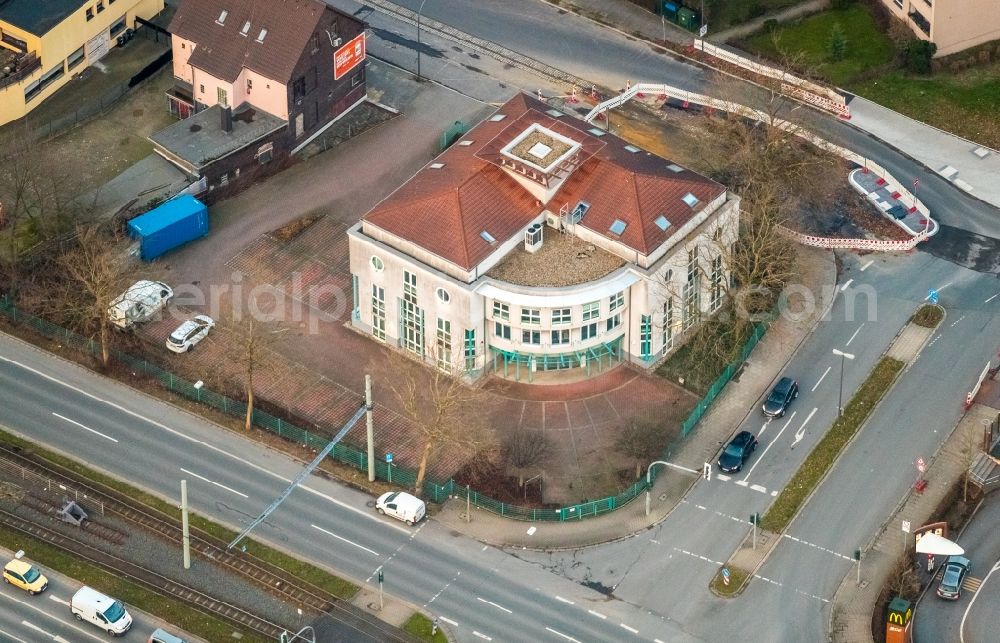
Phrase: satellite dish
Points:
(931, 543)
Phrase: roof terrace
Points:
(562, 260)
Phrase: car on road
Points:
(955, 571)
(103, 611)
(160, 635)
(781, 396)
(737, 451)
(402, 506)
(190, 333)
(24, 575)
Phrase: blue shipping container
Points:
(172, 224)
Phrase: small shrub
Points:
(917, 55)
(770, 25)
(929, 316)
(836, 45)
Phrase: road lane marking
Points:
(564, 600)
(742, 483)
(69, 624)
(499, 607)
(821, 379)
(846, 284)
(770, 444)
(630, 629)
(854, 335)
(85, 428)
(330, 533)
(482, 636)
(565, 636)
(961, 626)
(957, 320)
(12, 637)
(221, 486)
(757, 487)
(819, 547)
(53, 597)
(801, 433)
(448, 621)
(723, 477)
(687, 553)
(992, 298)
(865, 267)
(597, 614)
(212, 447)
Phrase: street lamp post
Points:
(843, 358)
(419, 11)
(649, 479)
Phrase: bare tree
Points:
(643, 439)
(254, 342)
(98, 272)
(445, 411)
(524, 449)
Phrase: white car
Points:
(190, 333)
(402, 506)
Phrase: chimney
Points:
(227, 119)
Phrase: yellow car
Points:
(25, 576)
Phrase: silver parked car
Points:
(190, 333)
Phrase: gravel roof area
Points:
(563, 260)
(161, 556)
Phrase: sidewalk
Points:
(968, 165)
(851, 617)
(818, 272)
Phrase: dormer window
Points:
(246, 28)
(222, 17)
(261, 35)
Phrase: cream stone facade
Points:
(952, 25)
(43, 45)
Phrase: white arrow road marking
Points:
(763, 427)
(349, 542)
(85, 428)
(801, 433)
(747, 477)
(221, 486)
(821, 378)
(854, 335)
(499, 607)
(565, 636)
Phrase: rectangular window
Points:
(355, 297)
(668, 324)
(588, 331)
(616, 301)
(560, 337)
(100, 6)
(501, 330)
(645, 337)
(501, 311)
(75, 58)
(717, 276)
(411, 326)
(561, 316)
(315, 43)
(444, 344)
(614, 322)
(35, 88)
(222, 96)
(356, 79)
(249, 85)
(118, 26)
(591, 310)
(531, 337)
(470, 349)
(265, 153)
(201, 89)
(409, 287)
(299, 89)
(531, 316)
(90, 14)
(692, 265)
(691, 305)
(378, 313)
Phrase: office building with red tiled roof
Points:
(539, 242)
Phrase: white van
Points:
(103, 611)
(139, 303)
(401, 505)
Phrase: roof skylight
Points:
(554, 113)
(487, 237)
(497, 117)
(632, 148)
(222, 17)
(465, 143)
(691, 200)
(673, 167)
(261, 35)
(246, 28)
(597, 132)
(436, 166)
(618, 227)
(662, 223)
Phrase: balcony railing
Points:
(18, 69)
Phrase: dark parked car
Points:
(781, 396)
(955, 571)
(737, 452)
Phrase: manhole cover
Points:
(370, 504)
(663, 497)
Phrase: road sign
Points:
(932, 296)
(921, 465)
(703, 31)
(388, 457)
(906, 526)
(725, 576)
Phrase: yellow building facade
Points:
(952, 25)
(43, 45)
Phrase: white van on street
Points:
(139, 303)
(402, 506)
(103, 611)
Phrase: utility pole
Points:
(381, 578)
(371, 428)
(186, 537)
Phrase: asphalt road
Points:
(46, 617)
(473, 588)
(940, 621)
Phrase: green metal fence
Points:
(434, 490)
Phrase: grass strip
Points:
(928, 316)
(337, 586)
(822, 457)
(421, 627)
(132, 594)
(737, 577)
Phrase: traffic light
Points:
(380, 578)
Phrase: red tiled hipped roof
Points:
(444, 210)
(222, 51)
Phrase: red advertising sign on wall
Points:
(349, 56)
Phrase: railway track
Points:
(144, 576)
(268, 576)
